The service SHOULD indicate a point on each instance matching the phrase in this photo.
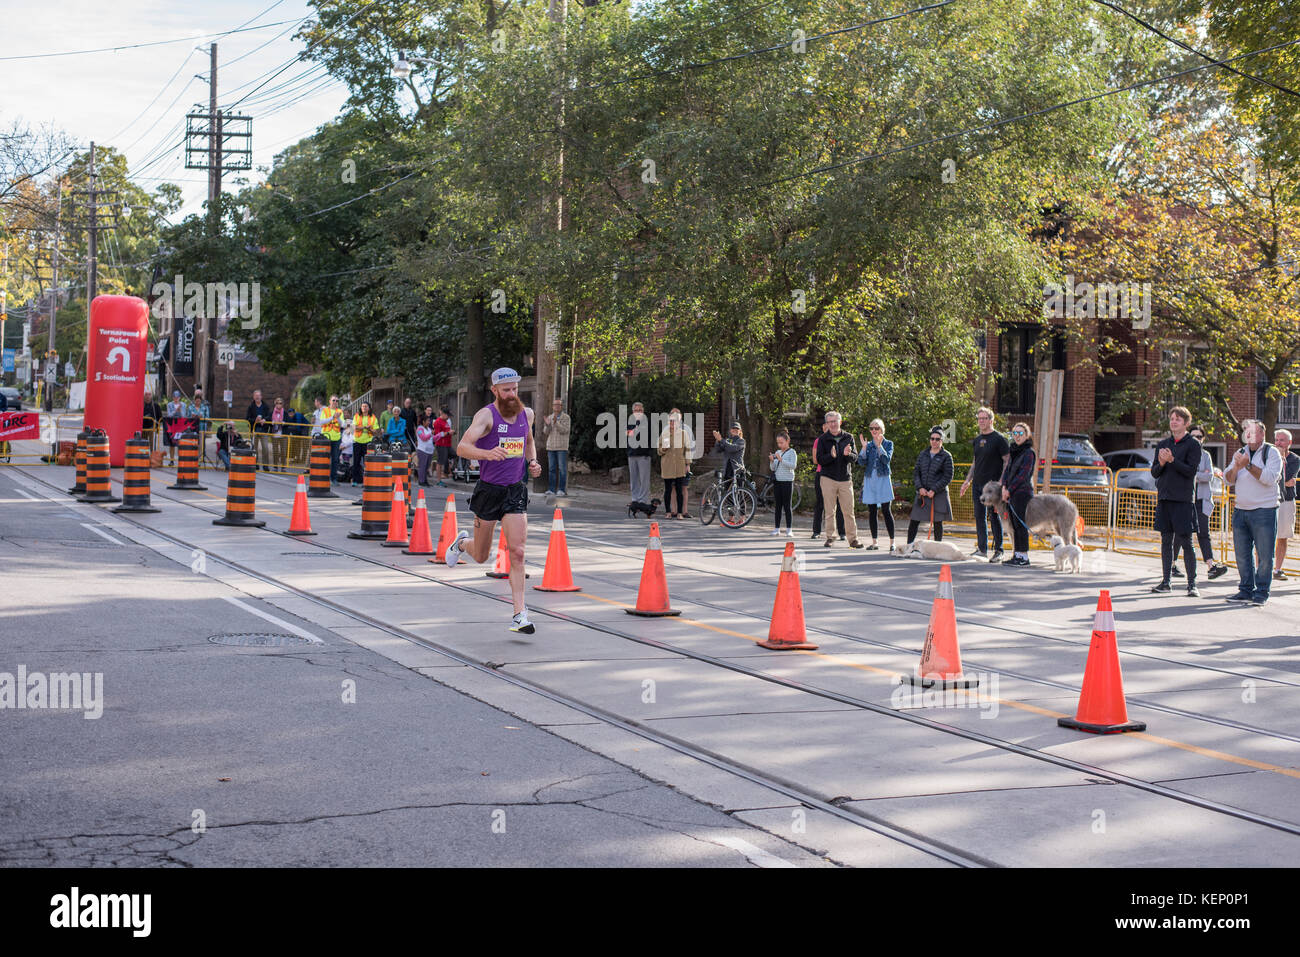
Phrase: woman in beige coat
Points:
(674, 449)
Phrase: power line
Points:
(300, 56)
(156, 98)
(784, 45)
(1192, 49)
(136, 46)
(268, 42)
(355, 199)
(986, 127)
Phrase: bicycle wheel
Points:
(709, 504)
(737, 508)
(794, 498)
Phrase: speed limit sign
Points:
(225, 355)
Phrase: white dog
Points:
(1069, 558)
(939, 551)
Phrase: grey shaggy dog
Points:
(1045, 513)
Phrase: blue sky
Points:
(110, 97)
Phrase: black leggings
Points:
(889, 519)
(1018, 505)
(913, 526)
(669, 485)
(782, 494)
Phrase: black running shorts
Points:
(1176, 517)
(489, 502)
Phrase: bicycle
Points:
(765, 492)
(732, 500)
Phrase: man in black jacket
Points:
(1177, 460)
(835, 454)
(408, 417)
(259, 417)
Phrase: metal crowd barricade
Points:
(42, 450)
(1094, 502)
(208, 442)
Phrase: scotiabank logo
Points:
(118, 357)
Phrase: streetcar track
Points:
(936, 848)
(961, 619)
(857, 817)
(976, 666)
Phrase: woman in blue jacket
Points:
(878, 484)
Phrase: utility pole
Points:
(546, 346)
(95, 198)
(54, 259)
(50, 354)
(206, 136)
(214, 207)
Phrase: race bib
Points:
(514, 448)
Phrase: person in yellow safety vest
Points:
(331, 426)
(364, 427)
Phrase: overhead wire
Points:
(986, 127)
(1192, 49)
(783, 45)
(136, 46)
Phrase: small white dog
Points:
(1069, 558)
(939, 551)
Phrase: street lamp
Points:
(402, 67)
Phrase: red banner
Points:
(15, 426)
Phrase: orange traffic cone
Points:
(652, 598)
(941, 658)
(787, 631)
(448, 533)
(1102, 709)
(397, 517)
(502, 567)
(299, 521)
(557, 576)
(421, 541)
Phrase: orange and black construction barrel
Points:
(135, 477)
(79, 459)
(97, 469)
(318, 478)
(241, 490)
(187, 468)
(376, 497)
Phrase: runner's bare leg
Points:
(480, 547)
(516, 529)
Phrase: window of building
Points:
(1024, 351)
(1288, 408)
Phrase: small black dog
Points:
(634, 507)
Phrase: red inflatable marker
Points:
(119, 339)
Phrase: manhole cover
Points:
(260, 639)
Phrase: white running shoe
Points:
(453, 550)
(520, 623)
(776, 532)
(789, 533)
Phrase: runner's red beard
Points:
(509, 405)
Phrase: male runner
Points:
(501, 437)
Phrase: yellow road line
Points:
(1018, 705)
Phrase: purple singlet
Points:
(513, 437)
